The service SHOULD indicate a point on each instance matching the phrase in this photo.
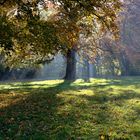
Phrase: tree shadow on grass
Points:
(31, 116)
(55, 113)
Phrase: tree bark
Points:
(71, 65)
(124, 64)
(86, 72)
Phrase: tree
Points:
(38, 38)
(71, 65)
(130, 38)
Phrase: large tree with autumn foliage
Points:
(34, 31)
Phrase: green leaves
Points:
(34, 37)
(6, 33)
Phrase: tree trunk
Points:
(71, 66)
(86, 72)
(92, 70)
(124, 64)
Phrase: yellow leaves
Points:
(68, 33)
(9, 98)
(102, 137)
(44, 30)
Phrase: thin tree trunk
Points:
(124, 64)
(86, 72)
(71, 66)
(94, 71)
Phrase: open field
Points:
(106, 109)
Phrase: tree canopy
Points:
(36, 30)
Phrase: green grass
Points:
(104, 109)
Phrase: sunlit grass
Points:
(106, 109)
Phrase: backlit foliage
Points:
(38, 29)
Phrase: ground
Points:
(104, 109)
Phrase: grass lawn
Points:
(105, 109)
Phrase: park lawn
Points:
(106, 109)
